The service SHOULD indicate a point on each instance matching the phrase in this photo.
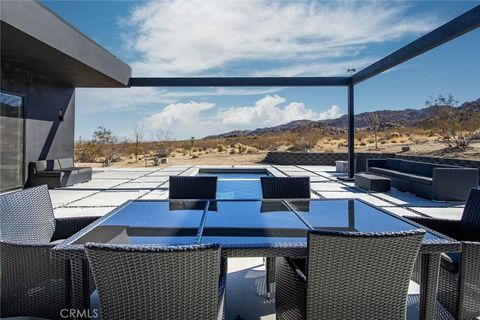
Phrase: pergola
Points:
(464, 23)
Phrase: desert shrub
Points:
(156, 161)
(110, 146)
(456, 128)
(86, 151)
(194, 156)
(394, 134)
(242, 148)
(233, 151)
(306, 139)
(221, 148)
(374, 122)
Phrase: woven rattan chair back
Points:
(285, 187)
(186, 187)
(471, 213)
(359, 275)
(156, 283)
(26, 216)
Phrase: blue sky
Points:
(263, 38)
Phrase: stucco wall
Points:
(46, 137)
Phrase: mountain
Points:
(389, 119)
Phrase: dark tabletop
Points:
(238, 222)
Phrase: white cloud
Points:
(90, 101)
(191, 119)
(175, 38)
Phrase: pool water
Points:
(238, 185)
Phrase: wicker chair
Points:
(32, 282)
(348, 276)
(282, 188)
(139, 282)
(285, 187)
(186, 187)
(459, 281)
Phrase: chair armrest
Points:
(66, 227)
(453, 183)
(295, 269)
(375, 163)
(451, 228)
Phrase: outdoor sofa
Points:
(428, 180)
(57, 173)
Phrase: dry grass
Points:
(250, 150)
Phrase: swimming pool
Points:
(237, 185)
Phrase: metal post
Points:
(351, 134)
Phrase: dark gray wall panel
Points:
(46, 136)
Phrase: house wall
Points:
(46, 137)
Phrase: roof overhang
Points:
(35, 39)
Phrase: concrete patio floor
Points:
(246, 291)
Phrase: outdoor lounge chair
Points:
(187, 187)
(138, 282)
(459, 282)
(348, 276)
(33, 283)
(282, 188)
(57, 173)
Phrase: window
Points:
(11, 141)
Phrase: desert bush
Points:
(156, 161)
(86, 151)
(393, 134)
(194, 156)
(306, 139)
(242, 148)
(374, 121)
(457, 128)
(221, 148)
(110, 146)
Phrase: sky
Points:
(264, 38)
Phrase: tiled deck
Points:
(246, 296)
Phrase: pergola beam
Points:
(464, 23)
(239, 82)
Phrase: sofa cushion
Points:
(83, 169)
(424, 169)
(66, 163)
(392, 164)
(402, 175)
(414, 178)
(407, 166)
(53, 173)
(47, 165)
(40, 165)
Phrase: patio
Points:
(246, 287)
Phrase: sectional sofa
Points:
(57, 173)
(428, 180)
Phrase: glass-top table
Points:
(233, 223)
(246, 228)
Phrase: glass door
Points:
(11, 141)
